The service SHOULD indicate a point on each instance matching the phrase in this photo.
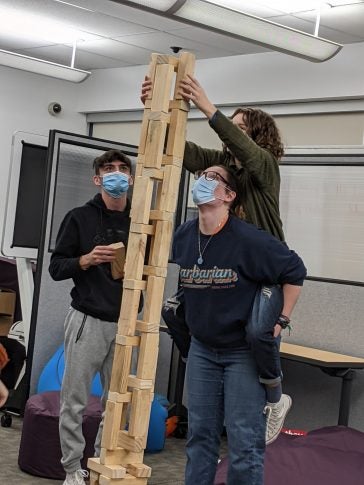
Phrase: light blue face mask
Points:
(115, 184)
(203, 191)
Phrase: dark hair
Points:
(108, 157)
(262, 129)
(232, 184)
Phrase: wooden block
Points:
(143, 133)
(147, 327)
(117, 266)
(120, 369)
(166, 59)
(136, 383)
(131, 443)
(134, 263)
(159, 116)
(148, 356)
(186, 65)
(112, 420)
(142, 199)
(161, 247)
(153, 173)
(167, 200)
(127, 340)
(94, 478)
(128, 480)
(177, 133)
(140, 412)
(154, 145)
(153, 299)
(154, 271)
(139, 470)
(111, 471)
(135, 284)
(120, 456)
(129, 312)
(164, 75)
(158, 215)
(151, 74)
(172, 160)
(142, 228)
(179, 104)
(139, 166)
(117, 397)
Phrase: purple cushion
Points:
(40, 449)
(326, 456)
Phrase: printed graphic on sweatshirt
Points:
(203, 278)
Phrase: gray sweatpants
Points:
(88, 349)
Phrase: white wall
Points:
(260, 78)
(24, 99)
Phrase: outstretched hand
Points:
(191, 90)
(146, 89)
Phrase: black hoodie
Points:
(95, 292)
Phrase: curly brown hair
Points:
(262, 129)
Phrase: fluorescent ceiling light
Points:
(213, 16)
(38, 66)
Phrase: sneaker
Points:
(276, 414)
(76, 478)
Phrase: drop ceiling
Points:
(112, 34)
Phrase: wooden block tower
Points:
(157, 178)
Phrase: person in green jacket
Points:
(251, 149)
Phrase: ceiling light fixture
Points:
(39, 66)
(219, 17)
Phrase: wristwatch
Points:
(283, 321)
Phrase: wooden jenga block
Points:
(142, 228)
(179, 104)
(186, 65)
(142, 195)
(164, 75)
(121, 369)
(148, 356)
(155, 144)
(117, 397)
(154, 271)
(139, 470)
(117, 266)
(172, 160)
(137, 383)
(162, 241)
(112, 421)
(158, 215)
(128, 480)
(129, 312)
(134, 284)
(132, 443)
(166, 199)
(120, 456)
(140, 411)
(147, 327)
(177, 134)
(94, 478)
(133, 268)
(153, 299)
(134, 340)
(111, 471)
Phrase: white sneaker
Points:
(76, 478)
(276, 414)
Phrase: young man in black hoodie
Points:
(83, 253)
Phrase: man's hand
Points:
(99, 254)
(146, 89)
(191, 90)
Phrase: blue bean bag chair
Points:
(52, 374)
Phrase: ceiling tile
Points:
(132, 55)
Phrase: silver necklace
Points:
(201, 253)
(200, 258)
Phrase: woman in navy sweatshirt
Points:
(223, 261)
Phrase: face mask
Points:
(115, 184)
(203, 191)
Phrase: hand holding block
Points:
(117, 266)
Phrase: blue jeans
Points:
(267, 307)
(223, 386)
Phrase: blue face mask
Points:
(115, 184)
(203, 191)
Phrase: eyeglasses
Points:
(211, 176)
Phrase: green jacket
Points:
(258, 179)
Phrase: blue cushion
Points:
(52, 375)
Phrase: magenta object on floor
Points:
(326, 456)
(40, 450)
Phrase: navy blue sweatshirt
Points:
(95, 292)
(219, 293)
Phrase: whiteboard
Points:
(322, 210)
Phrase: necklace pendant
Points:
(200, 260)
